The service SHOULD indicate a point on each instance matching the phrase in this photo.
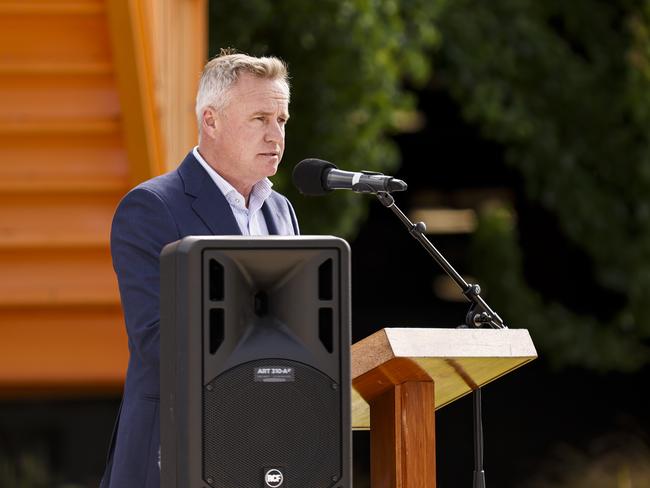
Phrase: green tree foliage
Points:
(347, 60)
(562, 86)
(565, 87)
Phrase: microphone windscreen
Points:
(308, 176)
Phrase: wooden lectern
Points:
(394, 374)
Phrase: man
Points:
(221, 188)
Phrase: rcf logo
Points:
(273, 478)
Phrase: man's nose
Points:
(275, 133)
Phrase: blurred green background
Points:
(532, 116)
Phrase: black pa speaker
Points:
(255, 373)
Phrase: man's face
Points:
(248, 138)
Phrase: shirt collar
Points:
(259, 193)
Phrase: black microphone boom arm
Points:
(479, 313)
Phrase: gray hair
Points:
(221, 72)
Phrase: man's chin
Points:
(272, 168)
(267, 166)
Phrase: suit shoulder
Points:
(147, 209)
(163, 185)
(166, 189)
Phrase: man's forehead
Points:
(265, 102)
(248, 85)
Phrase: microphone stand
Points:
(480, 314)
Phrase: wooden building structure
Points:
(95, 96)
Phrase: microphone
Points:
(317, 177)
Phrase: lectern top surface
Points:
(456, 360)
(439, 343)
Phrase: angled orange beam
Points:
(131, 41)
(180, 35)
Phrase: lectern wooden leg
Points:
(402, 437)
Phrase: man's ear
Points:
(209, 122)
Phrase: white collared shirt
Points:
(250, 220)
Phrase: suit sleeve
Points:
(142, 226)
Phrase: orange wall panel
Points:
(52, 276)
(52, 97)
(68, 348)
(56, 219)
(69, 159)
(54, 38)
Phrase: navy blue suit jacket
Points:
(159, 211)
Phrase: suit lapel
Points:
(271, 216)
(209, 204)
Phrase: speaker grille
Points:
(250, 425)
